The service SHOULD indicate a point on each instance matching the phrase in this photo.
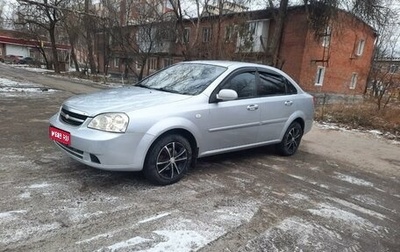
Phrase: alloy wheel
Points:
(171, 160)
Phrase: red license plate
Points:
(60, 136)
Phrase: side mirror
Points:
(227, 95)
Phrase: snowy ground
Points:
(339, 193)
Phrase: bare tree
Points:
(2, 3)
(72, 24)
(188, 37)
(46, 14)
(90, 28)
(138, 33)
(384, 76)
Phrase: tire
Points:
(168, 160)
(291, 140)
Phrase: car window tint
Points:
(271, 84)
(290, 88)
(244, 84)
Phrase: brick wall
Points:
(341, 61)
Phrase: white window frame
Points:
(116, 62)
(319, 77)
(153, 64)
(206, 34)
(353, 81)
(168, 62)
(326, 39)
(186, 35)
(248, 37)
(360, 47)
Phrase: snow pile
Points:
(11, 88)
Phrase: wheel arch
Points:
(296, 117)
(300, 121)
(182, 132)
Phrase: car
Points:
(29, 61)
(12, 59)
(25, 60)
(189, 110)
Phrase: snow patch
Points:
(154, 218)
(25, 195)
(299, 196)
(11, 214)
(359, 208)
(375, 133)
(11, 88)
(330, 212)
(179, 240)
(26, 230)
(125, 244)
(353, 180)
(295, 234)
(38, 186)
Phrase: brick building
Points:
(385, 77)
(20, 44)
(337, 61)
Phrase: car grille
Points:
(71, 117)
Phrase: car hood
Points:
(124, 99)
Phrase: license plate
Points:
(60, 136)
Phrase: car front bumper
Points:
(104, 150)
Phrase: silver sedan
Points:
(186, 111)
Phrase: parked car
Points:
(29, 61)
(12, 59)
(186, 111)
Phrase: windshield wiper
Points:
(168, 90)
(141, 85)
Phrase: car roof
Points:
(225, 63)
(234, 64)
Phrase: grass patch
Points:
(362, 116)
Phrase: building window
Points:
(393, 68)
(116, 62)
(138, 65)
(326, 38)
(319, 78)
(253, 36)
(153, 64)
(206, 35)
(360, 47)
(168, 62)
(353, 81)
(186, 35)
(229, 32)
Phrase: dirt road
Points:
(340, 192)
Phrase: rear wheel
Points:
(168, 160)
(291, 140)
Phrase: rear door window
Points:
(271, 84)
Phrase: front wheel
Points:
(168, 160)
(291, 140)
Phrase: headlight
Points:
(111, 122)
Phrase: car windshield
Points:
(183, 78)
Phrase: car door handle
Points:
(288, 103)
(252, 107)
